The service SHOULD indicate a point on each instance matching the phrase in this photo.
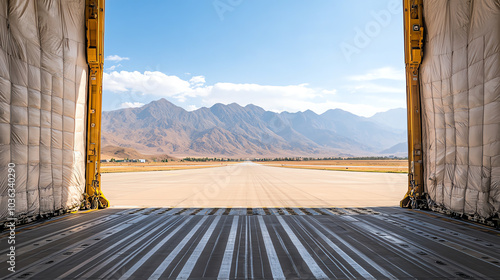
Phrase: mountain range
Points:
(161, 127)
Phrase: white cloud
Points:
(387, 73)
(192, 107)
(329, 92)
(131, 105)
(375, 88)
(153, 83)
(113, 67)
(290, 98)
(378, 84)
(115, 58)
(254, 90)
(197, 81)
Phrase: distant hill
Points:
(161, 127)
(400, 149)
(109, 152)
(394, 118)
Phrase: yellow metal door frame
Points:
(413, 45)
(94, 16)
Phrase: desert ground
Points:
(119, 167)
(386, 166)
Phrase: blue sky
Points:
(281, 55)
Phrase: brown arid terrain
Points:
(386, 166)
(119, 153)
(115, 167)
(382, 166)
(153, 162)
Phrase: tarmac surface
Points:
(254, 185)
(322, 229)
(254, 243)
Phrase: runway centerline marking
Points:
(138, 264)
(195, 255)
(308, 259)
(166, 262)
(225, 267)
(274, 262)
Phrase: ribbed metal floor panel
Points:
(254, 243)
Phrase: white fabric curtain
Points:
(43, 87)
(460, 86)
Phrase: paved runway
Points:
(254, 243)
(254, 185)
